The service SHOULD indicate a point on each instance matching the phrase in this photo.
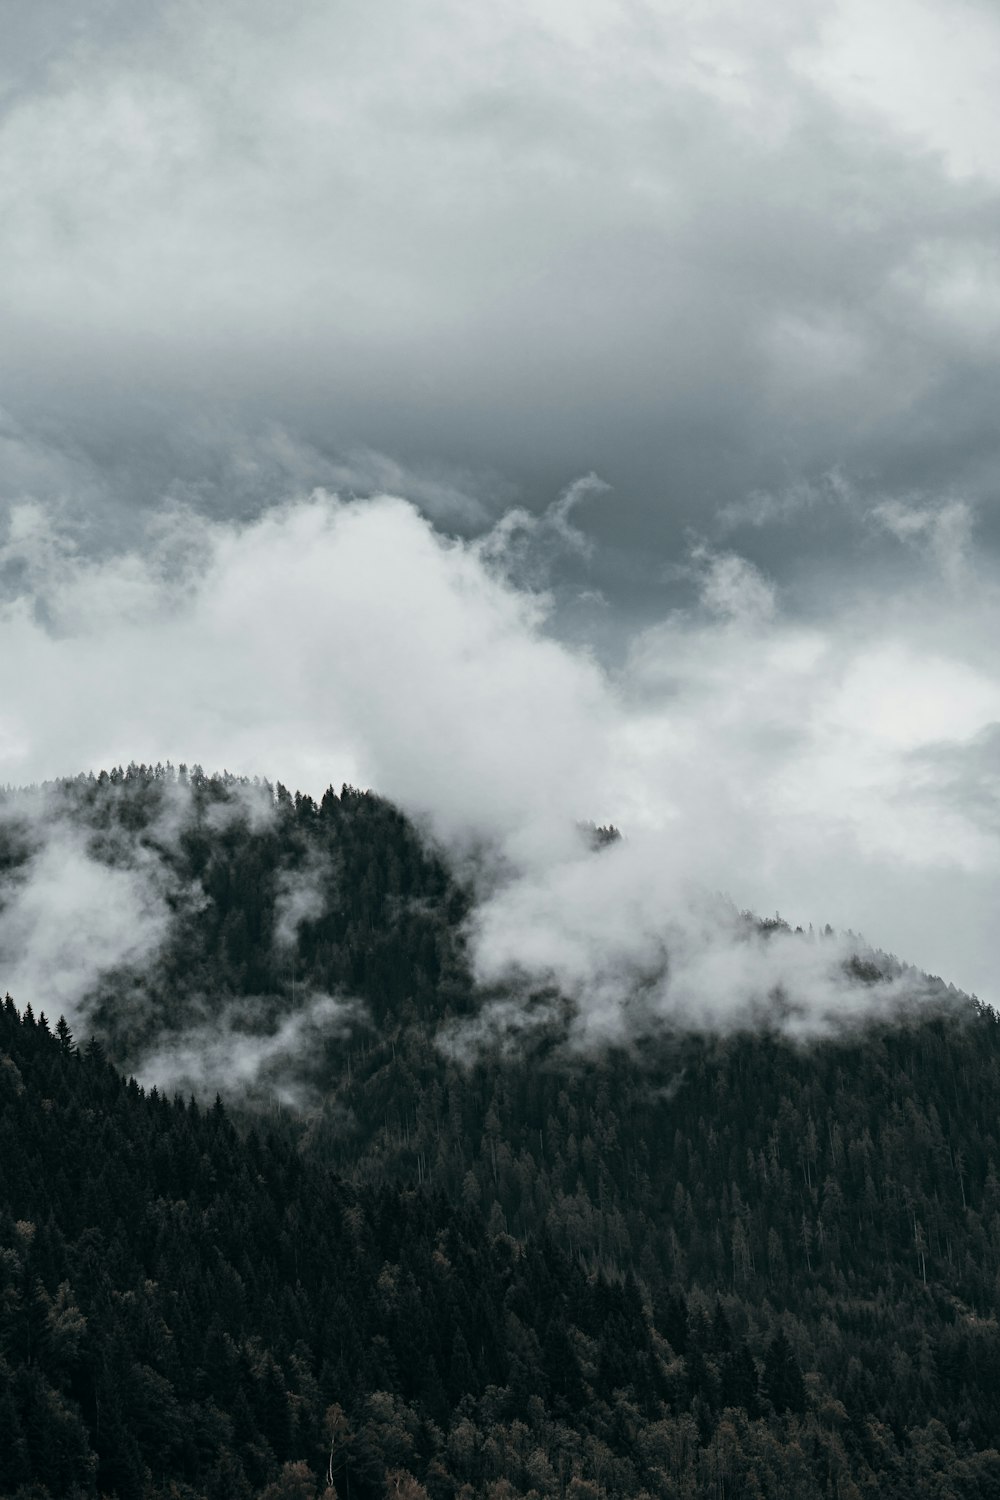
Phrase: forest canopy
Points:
(730, 1263)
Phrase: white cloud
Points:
(236, 1052)
(524, 549)
(833, 491)
(945, 529)
(732, 588)
(69, 920)
(301, 896)
(638, 946)
(955, 285)
(324, 641)
(785, 765)
(927, 70)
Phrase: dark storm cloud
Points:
(701, 252)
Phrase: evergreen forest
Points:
(380, 1264)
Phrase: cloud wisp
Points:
(242, 1054)
(68, 919)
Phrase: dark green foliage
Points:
(383, 925)
(710, 1266)
(783, 1381)
(181, 1304)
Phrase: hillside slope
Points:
(707, 1265)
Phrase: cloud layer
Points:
(462, 253)
(841, 771)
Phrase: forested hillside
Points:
(705, 1265)
(270, 898)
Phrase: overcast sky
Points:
(724, 278)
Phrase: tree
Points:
(783, 1381)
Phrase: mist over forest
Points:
(329, 1166)
(211, 928)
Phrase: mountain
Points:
(404, 1256)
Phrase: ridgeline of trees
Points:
(726, 1267)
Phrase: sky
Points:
(534, 412)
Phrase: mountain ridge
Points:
(720, 1261)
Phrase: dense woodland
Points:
(703, 1266)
